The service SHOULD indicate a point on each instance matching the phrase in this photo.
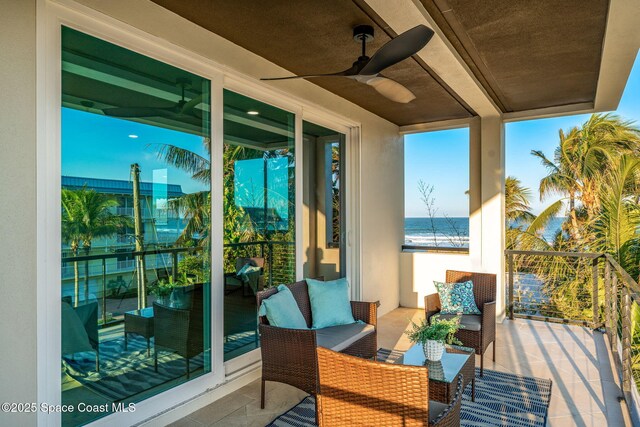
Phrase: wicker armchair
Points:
(256, 280)
(180, 330)
(289, 355)
(358, 392)
(84, 316)
(484, 291)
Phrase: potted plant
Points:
(434, 335)
(174, 293)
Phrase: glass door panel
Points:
(259, 212)
(135, 285)
(324, 196)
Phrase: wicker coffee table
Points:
(443, 374)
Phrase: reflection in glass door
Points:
(259, 212)
(135, 285)
(324, 154)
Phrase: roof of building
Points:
(117, 186)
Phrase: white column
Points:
(475, 194)
(492, 197)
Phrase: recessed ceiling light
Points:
(252, 113)
(133, 136)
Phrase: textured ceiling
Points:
(528, 54)
(311, 36)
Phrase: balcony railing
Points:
(591, 289)
(114, 273)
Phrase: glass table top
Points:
(145, 312)
(446, 369)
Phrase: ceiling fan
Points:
(367, 69)
(181, 109)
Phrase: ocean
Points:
(453, 231)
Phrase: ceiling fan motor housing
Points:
(363, 32)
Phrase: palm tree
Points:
(582, 159)
(618, 221)
(71, 219)
(86, 215)
(517, 206)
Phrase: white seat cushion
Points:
(337, 338)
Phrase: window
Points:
(324, 195)
(136, 168)
(333, 173)
(437, 189)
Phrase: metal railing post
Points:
(270, 264)
(511, 292)
(174, 267)
(614, 312)
(607, 298)
(626, 340)
(104, 292)
(594, 298)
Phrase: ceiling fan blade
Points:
(193, 103)
(391, 89)
(349, 72)
(143, 112)
(134, 112)
(398, 49)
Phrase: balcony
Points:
(578, 360)
(588, 357)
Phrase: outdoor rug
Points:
(501, 400)
(125, 373)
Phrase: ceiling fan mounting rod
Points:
(363, 34)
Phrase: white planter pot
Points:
(433, 350)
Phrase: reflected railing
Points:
(110, 277)
(590, 289)
(279, 258)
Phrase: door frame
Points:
(351, 197)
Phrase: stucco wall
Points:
(18, 207)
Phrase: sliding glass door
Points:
(259, 212)
(136, 178)
(136, 212)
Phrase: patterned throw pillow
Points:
(457, 298)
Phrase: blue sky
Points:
(440, 158)
(101, 147)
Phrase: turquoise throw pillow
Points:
(457, 298)
(330, 305)
(282, 310)
(246, 271)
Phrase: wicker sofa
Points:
(479, 330)
(289, 355)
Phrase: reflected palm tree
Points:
(87, 215)
(196, 207)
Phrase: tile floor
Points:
(585, 392)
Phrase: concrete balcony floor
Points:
(585, 388)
